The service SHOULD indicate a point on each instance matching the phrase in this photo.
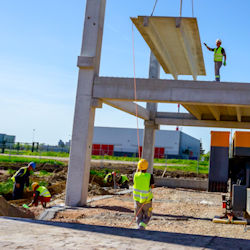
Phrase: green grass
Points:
(40, 153)
(6, 186)
(5, 158)
(188, 168)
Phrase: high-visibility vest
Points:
(124, 178)
(218, 56)
(108, 178)
(44, 192)
(13, 178)
(142, 190)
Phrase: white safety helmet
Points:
(218, 40)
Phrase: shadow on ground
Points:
(168, 216)
(189, 240)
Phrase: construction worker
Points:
(123, 181)
(219, 53)
(20, 178)
(108, 178)
(41, 194)
(142, 194)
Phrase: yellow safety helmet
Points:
(142, 164)
(34, 185)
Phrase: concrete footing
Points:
(182, 183)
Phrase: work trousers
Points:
(217, 66)
(18, 192)
(43, 201)
(143, 217)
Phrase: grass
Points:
(40, 153)
(6, 158)
(6, 186)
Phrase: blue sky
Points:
(40, 42)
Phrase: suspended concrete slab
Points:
(175, 42)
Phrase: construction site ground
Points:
(181, 218)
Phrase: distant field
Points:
(172, 164)
(6, 158)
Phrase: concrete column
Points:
(150, 126)
(81, 143)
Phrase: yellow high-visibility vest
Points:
(44, 192)
(142, 190)
(218, 56)
(13, 178)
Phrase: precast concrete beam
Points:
(180, 119)
(173, 91)
(130, 107)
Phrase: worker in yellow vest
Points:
(41, 194)
(219, 53)
(142, 194)
(20, 179)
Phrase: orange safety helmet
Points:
(34, 185)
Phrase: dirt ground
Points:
(174, 210)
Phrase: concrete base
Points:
(182, 183)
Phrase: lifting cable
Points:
(135, 96)
(192, 2)
(154, 8)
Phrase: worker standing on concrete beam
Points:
(219, 53)
(20, 178)
(142, 194)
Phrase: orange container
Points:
(220, 139)
(241, 139)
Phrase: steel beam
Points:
(173, 91)
(129, 107)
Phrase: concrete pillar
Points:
(81, 143)
(150, 126)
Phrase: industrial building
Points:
(124, 142)
(7, 141)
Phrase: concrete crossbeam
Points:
(130, 107)
(173, 91)
(185, 119)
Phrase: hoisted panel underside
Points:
(175, 42)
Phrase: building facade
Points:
(124, 142)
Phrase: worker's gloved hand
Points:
(27, 189)
(17, 185)
(224, 63)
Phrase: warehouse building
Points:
(124, 142)
(7, 141)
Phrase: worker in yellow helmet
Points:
(41, 194)
(142, 194)
(219, 53)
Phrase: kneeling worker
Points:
(142, 194)
(41, 194)
(123, 181)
